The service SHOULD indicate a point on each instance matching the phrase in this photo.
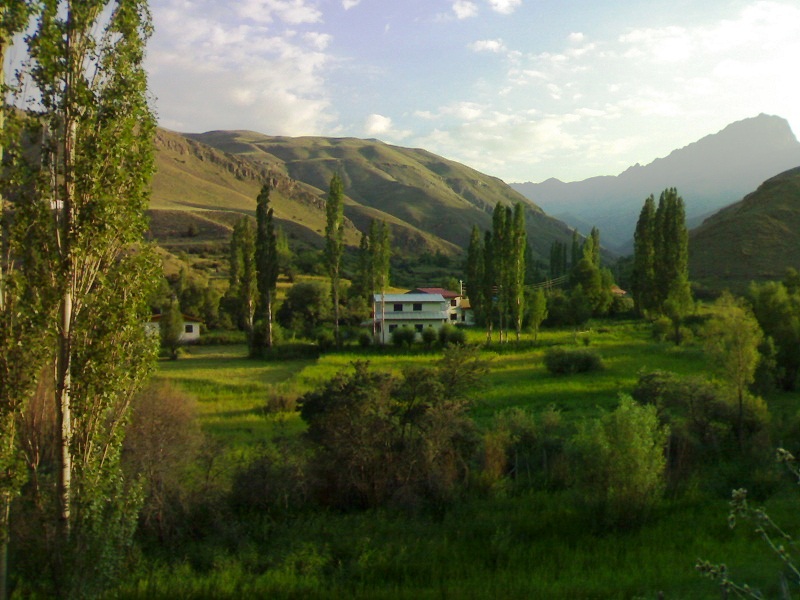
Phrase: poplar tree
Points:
(85, 79)
(243, 286)
(576, 248)
(499, 270)
(595, 254)
(22, 325)
(266, 263)
(334, 244)
(661, 258)
(475, 273)
(643, 258)
(516, 271)
(379, 264)
(488, 289)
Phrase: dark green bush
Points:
(403, 336)
(429, 336)
(365, 339)
(566, 362)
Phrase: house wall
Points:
(408, 310)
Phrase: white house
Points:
(191, 328)
(459, 309)
(418, 311)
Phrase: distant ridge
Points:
(757, 238)
(417, 192)
(711, 173)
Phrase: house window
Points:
(418, 327)
(188, 328)
(453, 302)
(392, 328)
(398, 308)
(418, 306)
(453, 317)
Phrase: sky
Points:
(523, 90)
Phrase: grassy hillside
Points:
(754, 239)
(429, 197)
(207, 188)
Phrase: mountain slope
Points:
(755, 239)
(425, 192)
(201, 187)
(711, 173)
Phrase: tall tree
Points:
(576, 252)
(516, 271)
(334, 244)
(501, 242)
(242, 286)
(380, 257)
(86, 78)
(475, 273)
(644, 257)
(595, 255)
(488, 289)
(732, 338)
(266, 262)
(18, 316)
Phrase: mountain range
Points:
(757, 238)
(205, 182)
(709, 174)
(208, 180)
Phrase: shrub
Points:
(161, 443)
(365, 339)
(429, 336)
(403, 336)
(457, 337)
(277, 481)
(567, 362)
(325, 340)
(662, 329)
(451, 335)
(618, 463)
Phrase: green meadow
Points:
(499, 543)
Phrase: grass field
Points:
(531, 544)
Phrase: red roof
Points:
(445, 293)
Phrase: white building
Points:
(418, 311)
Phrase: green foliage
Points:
(537, 310)
(661, 260)
(732, 339)
(162, 443)
(560, 361)
(643, 279)
(306, 307)
(403, 337)
(334, 243)
(171, 328)
(778, 313)
(83, 71)
(704, 422)
(619, 463)
(381, 438)
(450, 335)
(267, 267)
(429, 337)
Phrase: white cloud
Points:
(488, 46)
(377, 125)
(348, 4)
(465, 9)
(289, 11)
(504, 7)
(210, 69)
(575, 37)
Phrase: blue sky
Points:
(520, 89)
